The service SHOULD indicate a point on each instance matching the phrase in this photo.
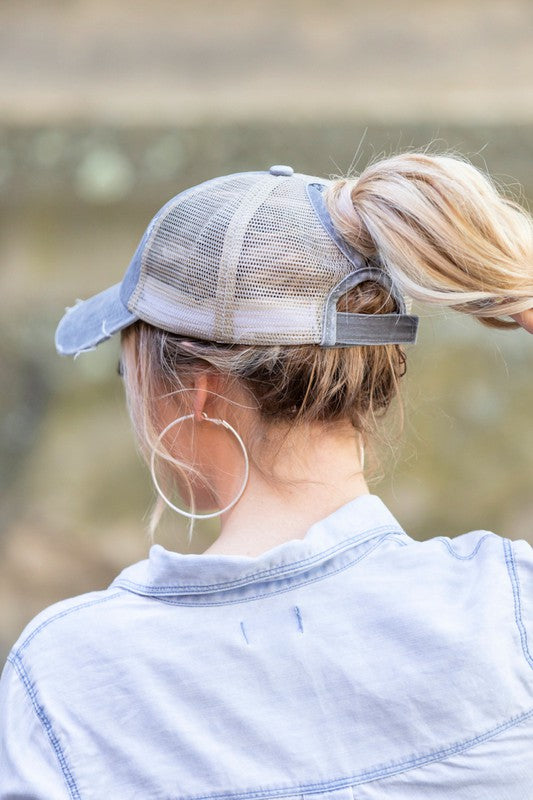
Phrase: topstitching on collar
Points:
(168, 573)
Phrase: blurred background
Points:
(109, 108)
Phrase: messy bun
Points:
(444, 233)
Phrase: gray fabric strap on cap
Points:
(342, 328)
(345, 328)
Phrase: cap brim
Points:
(92, 321)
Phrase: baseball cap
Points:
(250, 258)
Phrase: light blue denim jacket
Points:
(354, 664)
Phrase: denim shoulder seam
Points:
(62, 614)
(474, 552)
(66, 771)
(515, 584)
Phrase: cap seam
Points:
(255, 196)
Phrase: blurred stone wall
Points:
(109, 109)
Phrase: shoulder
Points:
(475, 550)
(486, 546)
(59, 620)
(478, 545)
(469, 545)
(495, 567)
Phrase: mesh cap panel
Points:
(251, 258)
(244, 259)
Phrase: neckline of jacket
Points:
(168, 573)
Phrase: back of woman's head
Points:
(443, 233)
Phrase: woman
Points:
(315, 649)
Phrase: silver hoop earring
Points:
(163, 495)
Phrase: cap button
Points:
(281, 169)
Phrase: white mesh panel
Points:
(243, 260)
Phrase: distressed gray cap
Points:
(249, 258)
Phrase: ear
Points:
(200, 394)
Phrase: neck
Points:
(313, 477)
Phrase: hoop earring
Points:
(163, 495)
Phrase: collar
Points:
(166, 573)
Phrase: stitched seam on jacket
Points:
(513, 575)
(47, 725)
(61, 614)
(272, 571)
(362, 777)
(270, 593)
(474, 551)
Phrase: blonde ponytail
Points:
(444, 233)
